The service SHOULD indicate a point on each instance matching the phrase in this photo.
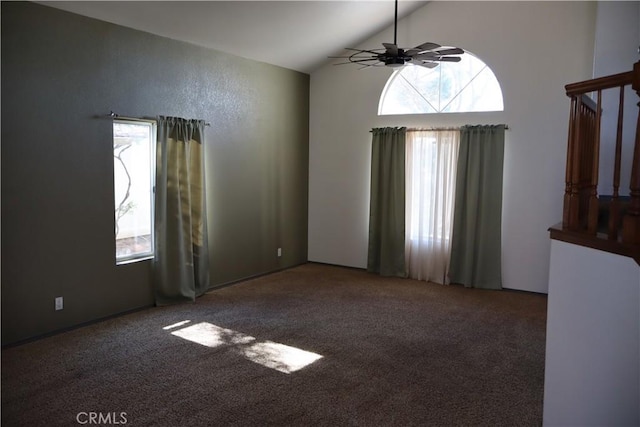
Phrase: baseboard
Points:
(254, 276)
(337, 265)
(71, 328)
(123, 313)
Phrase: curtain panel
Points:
(181, 260)
(387, 204)
(476, 247)
(431, 178)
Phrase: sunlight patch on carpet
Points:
(282, 358)
(211, 335)
(175, 325)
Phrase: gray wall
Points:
(60, 73)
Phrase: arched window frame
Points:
(419, 90)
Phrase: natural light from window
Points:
(431, 162)
(282, 358)
(465, 86)
(133, 168)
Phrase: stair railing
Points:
(581, 204)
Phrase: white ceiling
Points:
(299, 35)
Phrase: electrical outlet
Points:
(59, 303)
(279, 252)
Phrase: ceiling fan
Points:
(426, 55)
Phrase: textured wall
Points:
(60, 73)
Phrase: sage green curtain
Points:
(477, 221)
(181, 260)
(387, 207)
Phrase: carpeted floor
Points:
(383, 352)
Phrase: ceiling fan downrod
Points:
(395, 26)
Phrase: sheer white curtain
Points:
(430, 187)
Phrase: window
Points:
(430, 183)
(133, 173)
(465, 86)
(431, 160)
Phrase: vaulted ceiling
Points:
(298, 35)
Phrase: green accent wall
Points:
(61, 76)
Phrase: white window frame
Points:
(152, 134)
(417, 91)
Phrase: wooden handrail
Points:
(600, 83)
(582, 205)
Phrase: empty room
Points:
(320, 213)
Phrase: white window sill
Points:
(133, 260)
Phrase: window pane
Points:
(423, 81)
(133, 188)
(466, 86)
(402, 98)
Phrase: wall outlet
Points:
(279, 252)
(59, 304)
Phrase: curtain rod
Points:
(506, 127)
(441, 129)
(432, 129)
(118, 116)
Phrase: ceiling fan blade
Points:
(377, 64)
(435, 56)
(373, 51)
(427, 64)
(427, 56)
(449, 51)
(426, 46)
(356, 61)
(391, 48)
(449, 59)
(363, 60)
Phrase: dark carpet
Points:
(393, 352)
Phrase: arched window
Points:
(451, 87)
